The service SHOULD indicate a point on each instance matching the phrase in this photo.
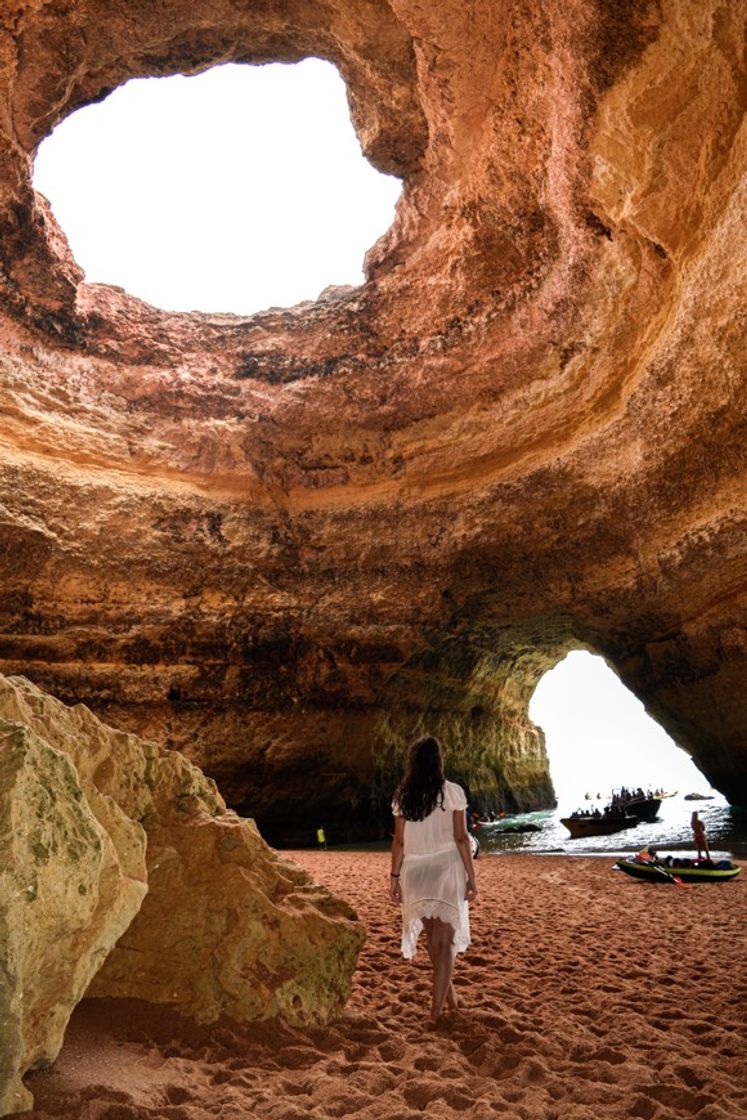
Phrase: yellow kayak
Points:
(688, 870)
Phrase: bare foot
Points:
(450, 1004)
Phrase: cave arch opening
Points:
(233, 190)
(598, 735)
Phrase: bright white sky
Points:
(244, 188)
(599, 735)
(235, 190)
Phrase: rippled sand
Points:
(585, 995)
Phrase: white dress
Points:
(432, 876)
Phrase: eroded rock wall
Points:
(288, 542)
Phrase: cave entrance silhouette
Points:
(599, 735)
(229, 191)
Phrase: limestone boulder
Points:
(227, 926)
(71, 880)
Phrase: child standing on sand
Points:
(699, 836)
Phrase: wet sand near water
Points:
(586, 995)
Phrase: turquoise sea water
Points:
(726, 828)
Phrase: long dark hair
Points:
(423, 784)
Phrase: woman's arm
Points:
(398, 854)
(465, 851)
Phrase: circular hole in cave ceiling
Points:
(235, 190)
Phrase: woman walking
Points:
(433, 876)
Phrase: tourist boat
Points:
(579, 827)
(698, 871)
(645, 808)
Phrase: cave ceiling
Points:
(284, 543)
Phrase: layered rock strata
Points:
(90, 818)
(288, 542)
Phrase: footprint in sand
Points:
(690, 1077)
(298, 1057)
(427, 1063)
(177, 1094)
(389, 1052)
(289, 1112)
(606, 1054)
(221, 1076)
(296, 1088)
(419, 1094)
(459, 1098)
(644, 1108)
(682, 1101)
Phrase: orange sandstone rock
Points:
(285, 543)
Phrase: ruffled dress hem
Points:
(412, 925)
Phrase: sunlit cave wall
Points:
(286, 543)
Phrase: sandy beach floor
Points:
(586, 995)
